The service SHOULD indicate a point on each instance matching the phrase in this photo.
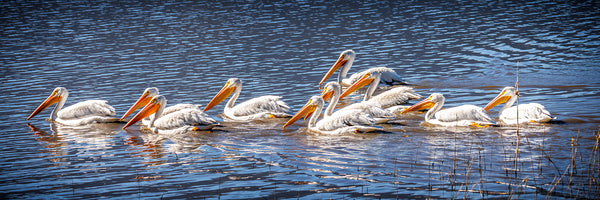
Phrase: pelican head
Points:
(313, 103)
(331, 89)
(346, 59)
(506, 94)
(232, 85)
(368, 78)
(148, 94)
(59, 95)
(432, 100)
(155, 106)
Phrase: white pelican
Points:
(389, 76)
(183, 120)
(465, 115)
(263, 107)
(387, 99)
(147, 95)
(528, 113)
(340, 122)
(82, 113)
(333, 90)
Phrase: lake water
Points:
(466, 50)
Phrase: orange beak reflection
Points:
(52, 99)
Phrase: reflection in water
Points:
(54, 148)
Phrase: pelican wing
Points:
(344, 118)
(89, 108)
(184, 117)
(464, 112)
(371, 108)
(388, 76)
(263, 104)
(395, 96)
(178, 107)
(531, 112)
(172, 109)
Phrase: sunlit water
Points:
(467, 51)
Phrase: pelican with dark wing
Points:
(465, 115)
(258, 108)
(527, 113)
(180, 121)
(340, 122)
(82, 113)
(344, 62)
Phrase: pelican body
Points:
(392, 97)
(465, 115)
(332, 90)
(180, 120)
(340, 122)
(528, 113)
(258, 108)
(344, 62)
(82, 113)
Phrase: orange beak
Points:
(222, 95)
(52, 99)
(340, 61)
(425, 104)
(497, 101)
(143, 100)
(326, 94)
(149, 109)
(304, 111)
(365, 80)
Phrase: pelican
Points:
(263, 107)
(465, 115)
(392, 97)
(528, 113)
(332, 90)
(147, 95)
(340, 122)
(389, 76)
(183, 120)
(82, 113)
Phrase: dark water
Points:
(466, 50)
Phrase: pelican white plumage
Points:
(332, 90)
(340, 122)
(528, 113)
(392, 97)
(465, 115)
(180, 121)
(152, 92)
(258, 108)
(388, 75)
(82, 113)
